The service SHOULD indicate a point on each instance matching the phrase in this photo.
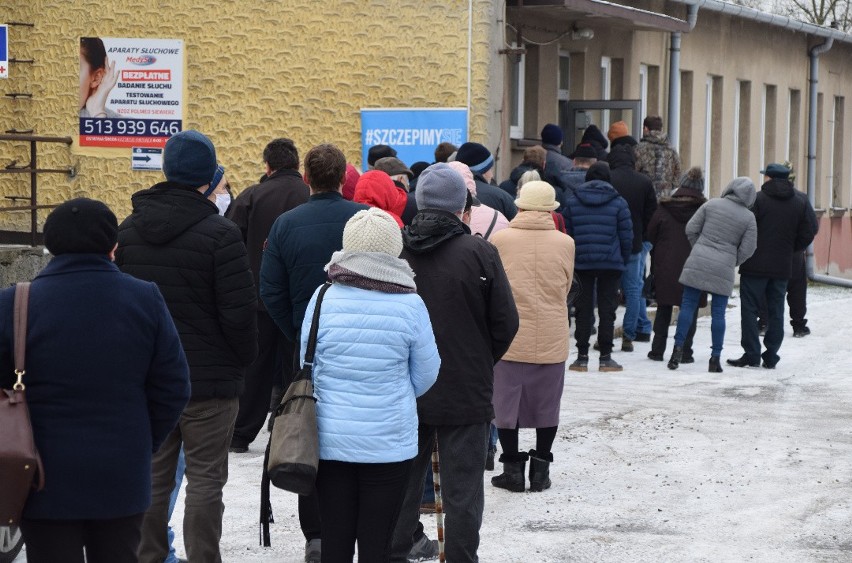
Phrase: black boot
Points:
(540, 471)
(715, 365)
(677, 354)
(513, 477)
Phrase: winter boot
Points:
(540, 471)
(715, 365)
(677, 355)
(512, 478)
(656, 356)
(626, 345)
(581, 363)
(608, 364)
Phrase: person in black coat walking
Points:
(176, 238)
(783, 227)
(638, 191)
(106, 380)
(671, 248)
(254, 211)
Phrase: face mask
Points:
(222, 202)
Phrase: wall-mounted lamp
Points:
(582, 33)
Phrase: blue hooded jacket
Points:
(599, 221)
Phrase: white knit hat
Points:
(372, 230)
(537, 196)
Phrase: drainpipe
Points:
(674, 78)
(813, 82)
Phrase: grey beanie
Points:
(693, 179)
(441, 187)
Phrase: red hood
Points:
(376, 189)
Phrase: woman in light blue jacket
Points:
(375, 355)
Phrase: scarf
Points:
(375, 271)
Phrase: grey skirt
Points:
(527, 395)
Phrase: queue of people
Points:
(446, 313)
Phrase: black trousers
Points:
(267, 370)
(359, 502)
(608, 282)
(662, 322)
(114, 540)
(797, 295)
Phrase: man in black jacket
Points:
(638, 191)
(461, 279)
(783, 227)
(254, 211)
(176, 238)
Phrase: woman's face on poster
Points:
(89, 79)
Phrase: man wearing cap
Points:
(254, 211)
(106, 380)
(481, 163)
(556, 163)
(783, 227)
(584, 155)
(462, 281)
(656, 158)
(176, 238)
(300, 245)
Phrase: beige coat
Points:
(539, 262)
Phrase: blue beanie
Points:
(551, 134)
(441, 187)
(189, 159)
(476, 156)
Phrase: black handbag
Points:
(294, 442)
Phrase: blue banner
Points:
(413, 133)
(4, 51)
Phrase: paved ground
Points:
(655, 465)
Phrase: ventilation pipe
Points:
(673, 121)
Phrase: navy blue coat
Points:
(599, 221)
(300, 244)
(106, 381)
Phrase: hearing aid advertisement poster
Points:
(131, 91)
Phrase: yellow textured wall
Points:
(256, 70)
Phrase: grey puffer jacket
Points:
(723, 235)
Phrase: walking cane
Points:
(439, 507)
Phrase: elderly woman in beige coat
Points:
(528, 381)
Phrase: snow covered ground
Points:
(658, 465)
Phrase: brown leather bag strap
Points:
(22, 295)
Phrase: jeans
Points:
(606, 282)
(688, 309)
(112, 540)
(204, 430)
(636, 308)
(462, 460)
(181, 467)
(359, 502)
(752, 290)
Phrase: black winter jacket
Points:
(495, 198)
(176, 239)
(257, 207)
(636, 189)
(462, 281)
(784, 226)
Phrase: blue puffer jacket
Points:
(599, 221)
(375, 355)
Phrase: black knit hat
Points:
(379, 151)
(476, 156)
(598, 171)
(81, 226)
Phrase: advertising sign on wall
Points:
(412, 132)
(4, 51)
(131, 91)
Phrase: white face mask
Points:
(222, 202)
